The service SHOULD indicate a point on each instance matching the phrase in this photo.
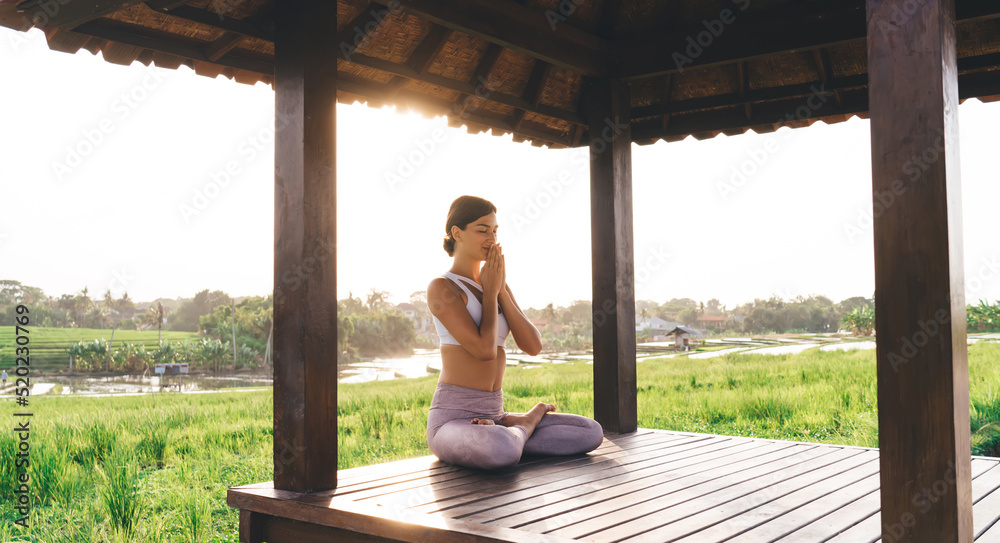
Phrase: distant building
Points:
(543, 324)
(421, 324)
(658, 328)
(714, 322)
(684, 335)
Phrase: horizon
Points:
(155, 165)
(99, 296)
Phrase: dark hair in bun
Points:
(464, 210)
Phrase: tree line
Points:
(372, 326)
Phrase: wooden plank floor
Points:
(648, 486)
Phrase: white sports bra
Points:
(475, 310)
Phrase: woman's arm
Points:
(480, 341)
(526, 336)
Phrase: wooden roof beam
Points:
(164, 5)
(750, 36)
(70, 14)
(195, 49)
(824, 70)
(480, 78)
(667, 91)
(966, 67)
(751, 96)
(735, 119)
(744, 76)
(532, 92)
(358, 30)
(435, 106)
(740, 36)
(427, 50)
(462, 87)
(769, 113)
(520, 28)
(237, 26)
(226, 43)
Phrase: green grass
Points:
(156, 468)
(50, 346)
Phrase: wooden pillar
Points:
(305, 271)
(610, 136)
(922, 365)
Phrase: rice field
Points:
(50, 346)
(156, 468)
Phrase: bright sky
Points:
(115, 177)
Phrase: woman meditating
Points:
(473, 311)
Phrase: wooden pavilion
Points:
(603, 74)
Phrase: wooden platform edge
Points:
(393, 523)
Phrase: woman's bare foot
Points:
(528, 420)
(484, 422)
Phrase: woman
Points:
(473, 311)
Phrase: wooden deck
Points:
(649, 486)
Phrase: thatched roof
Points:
(695, 67)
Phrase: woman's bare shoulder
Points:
(442, 286)
(437, 283)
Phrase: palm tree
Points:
(377, 299)
(125, 304)
(108, 311)
(549, 314)
(155, 316)
(80, 308)
(974, 318)
(861, 320)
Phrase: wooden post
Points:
(922, 365)
(305, 285)
(610, 136)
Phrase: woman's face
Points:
(478, 236)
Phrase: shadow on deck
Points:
(651, 485)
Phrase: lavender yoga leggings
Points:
(454, 439)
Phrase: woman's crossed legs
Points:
(491, 445)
